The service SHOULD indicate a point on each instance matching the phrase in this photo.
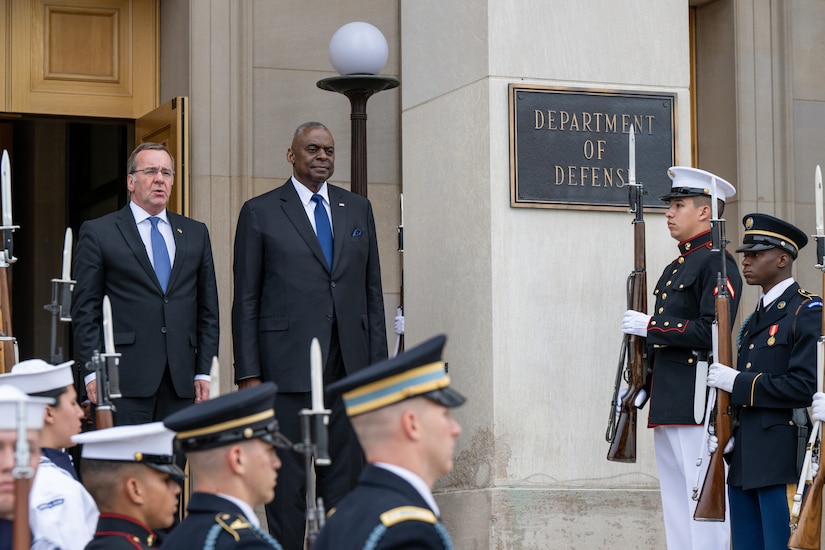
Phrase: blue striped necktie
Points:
(160, 254)
(322, 228)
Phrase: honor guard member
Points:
(400, 409)
(679, 342)
(132, 475)
(772, 387)
(60, 508)
(10, 398)
(230, 444)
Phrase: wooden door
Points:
(169, 125)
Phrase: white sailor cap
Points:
(37, 376)
(149, 444)
(693, 182)
(35, 408)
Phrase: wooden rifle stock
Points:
(711, 504)
(807, 534)
(7, 346)
(623, 443)
(21, 533)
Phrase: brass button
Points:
(667, 323)
(750, 346)
(690, 361)
(668, 283)
(679, 325)
(681, 260)
(748, 365)
(664, 296)
(661, 310)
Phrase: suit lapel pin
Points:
(179, 230)
(341, 204)
(781, 305)
(356, 233)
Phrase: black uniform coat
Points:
(120, 532)
(358, 515)
(777, 361)
(679, 332)
(151, 328)
(286, 295)
(207, 512)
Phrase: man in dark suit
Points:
(772, 387)
(156, 267)
(298, 277)
(400, 409)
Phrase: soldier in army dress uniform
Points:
(230, 444)
(400, 410)
(772, 387)
(679, 341)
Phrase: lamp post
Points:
(358, 51)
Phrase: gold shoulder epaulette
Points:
(407, 513)
(237, 523)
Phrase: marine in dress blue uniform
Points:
(392, 506)
(776, 376)
(219, 514)
(679, 342)
(132, 474)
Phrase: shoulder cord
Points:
(378, 533)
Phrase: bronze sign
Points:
(569, 147)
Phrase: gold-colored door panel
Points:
(83, 57)
(169, 125)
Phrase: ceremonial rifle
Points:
(314, 423)
(711, 500)
(23, 474)
(106, 367)
(399, 339)
(621, 431)
(61, 304)
(806, 514)
(7, 342)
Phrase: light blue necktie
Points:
(322, 228)
(163, 267)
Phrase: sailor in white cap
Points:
(131, 472)
(60, 508)
(10, 398)
(679, 340)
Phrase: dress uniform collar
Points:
(701, 240)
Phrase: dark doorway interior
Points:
(64, 171)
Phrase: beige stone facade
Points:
(530, 298)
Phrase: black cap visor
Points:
(447, 397)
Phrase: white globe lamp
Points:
(358, 48)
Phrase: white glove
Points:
(721, 376)
(635, 322)
(814, 468)
(713, 444)
(638, 402)
(399, 324)
(819, 406)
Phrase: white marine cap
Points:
(10, 397)
(149, 444)
(693, 182)
(37, 376)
